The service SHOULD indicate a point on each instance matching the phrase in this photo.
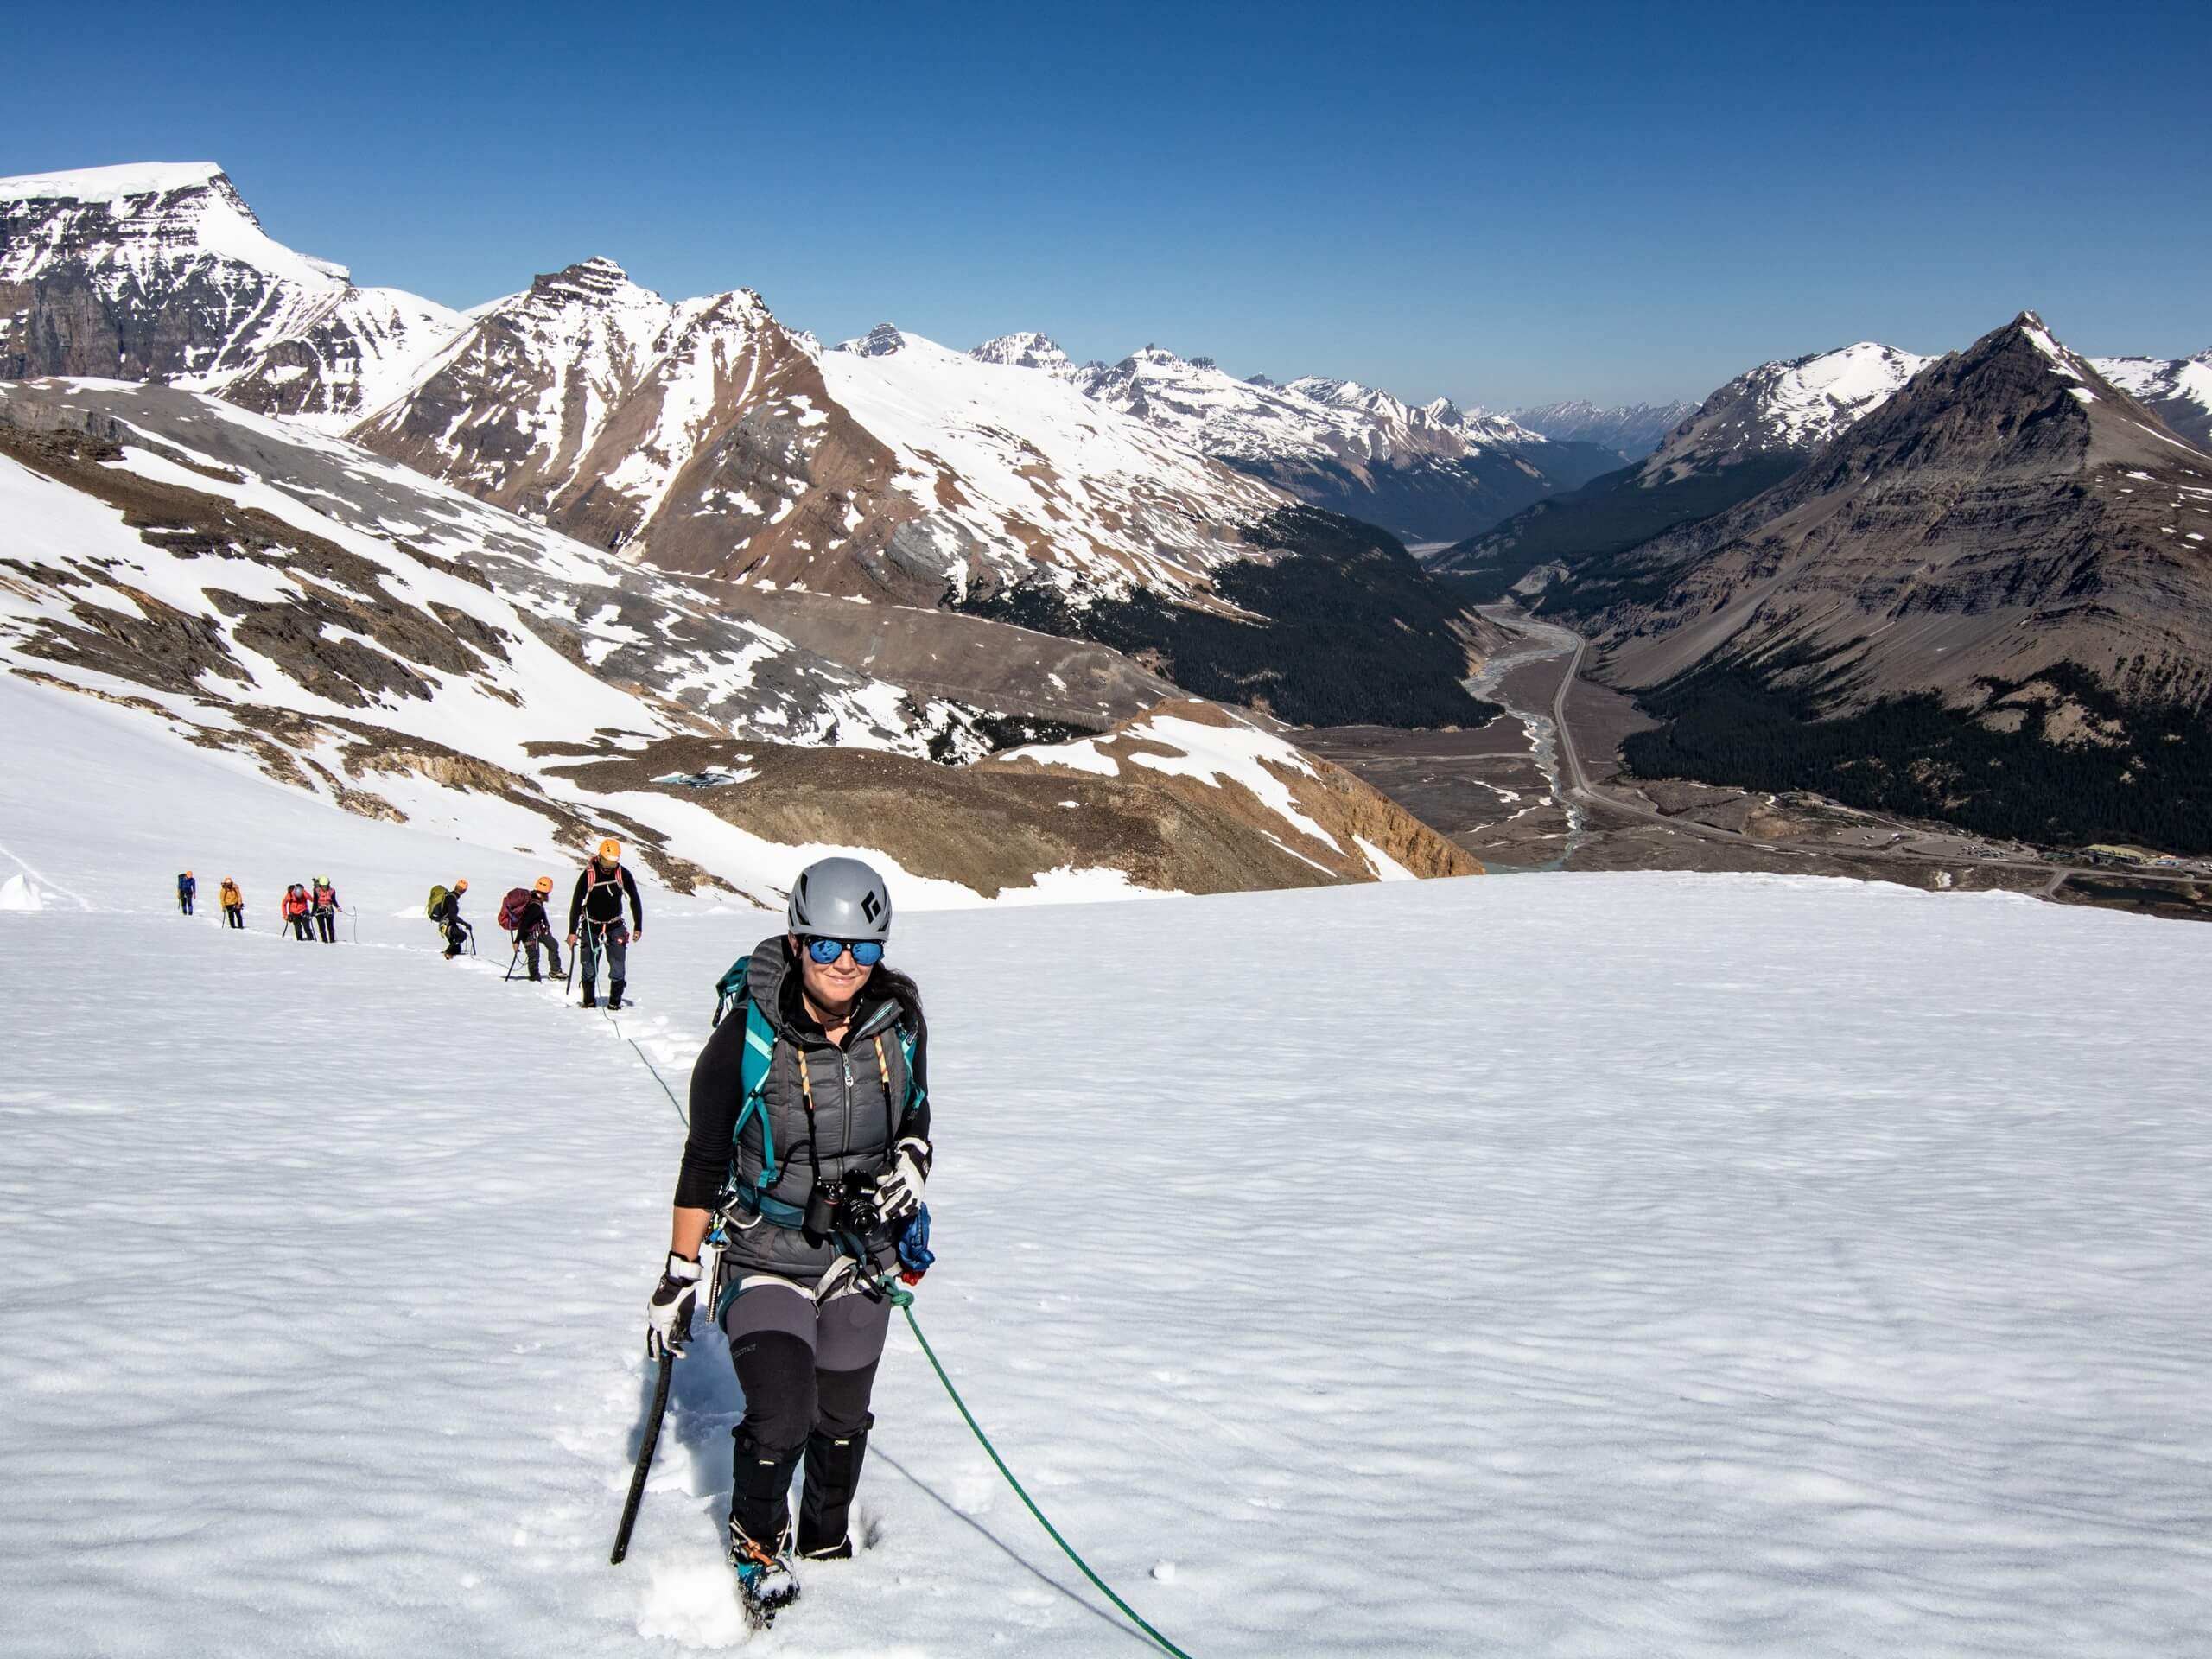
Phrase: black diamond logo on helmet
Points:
(871, 906)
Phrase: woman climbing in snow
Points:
(815, 1183)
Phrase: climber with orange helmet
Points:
(185, 888)
(534, 928)
(595, 917)
(233, 902)
(448, 917)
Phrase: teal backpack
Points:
(752, 1199)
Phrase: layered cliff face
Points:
(162, 272)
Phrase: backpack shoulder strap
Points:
(759, 1055)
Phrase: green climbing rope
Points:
(682, 1117)
(904, 1301)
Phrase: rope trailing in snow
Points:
(904, 1300)
(682, 1117)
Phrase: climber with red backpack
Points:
(521, 913)
(596, 918)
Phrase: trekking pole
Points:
(644, 1461)
(511, 959)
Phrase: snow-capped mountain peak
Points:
(1026, 350)
(2178, 390)
(160, 271)
(883, 340)
(134, 217)
(1791, 407)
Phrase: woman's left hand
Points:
(899, 1188)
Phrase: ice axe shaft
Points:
(644, 1461)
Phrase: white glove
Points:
(899, 1188)
(668, 1316)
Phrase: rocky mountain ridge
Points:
(162, 272)
(2010, 559)
(1424, 471)
(1749, 434)
(245, 587)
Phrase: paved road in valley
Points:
(1577, 782)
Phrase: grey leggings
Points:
(808, 1372)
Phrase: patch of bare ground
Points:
(999, 823)
(2176, 900)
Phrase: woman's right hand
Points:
(668, 1316)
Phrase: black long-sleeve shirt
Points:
(599, 897)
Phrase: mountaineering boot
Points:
(591, 996)
(833, 1475)
(760, 1508)
(614, 992)
(765, 1579)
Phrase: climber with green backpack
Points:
(443, 908)
(808, 1148)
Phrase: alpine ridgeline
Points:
(1431, 472)
(1989, 601)
(1753, 432)
(208, 558)
(161, 272)
(703, 439)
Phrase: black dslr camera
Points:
(849, 1207)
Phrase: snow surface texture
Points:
(1241, 752)
(1619, 1264)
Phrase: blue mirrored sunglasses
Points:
(866, 952)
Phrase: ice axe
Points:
(644, 1459)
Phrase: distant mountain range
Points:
(1631, 432)
(1429, 472)
(1962, 549)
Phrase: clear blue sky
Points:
(1503, 203)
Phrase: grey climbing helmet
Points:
(839, 898)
